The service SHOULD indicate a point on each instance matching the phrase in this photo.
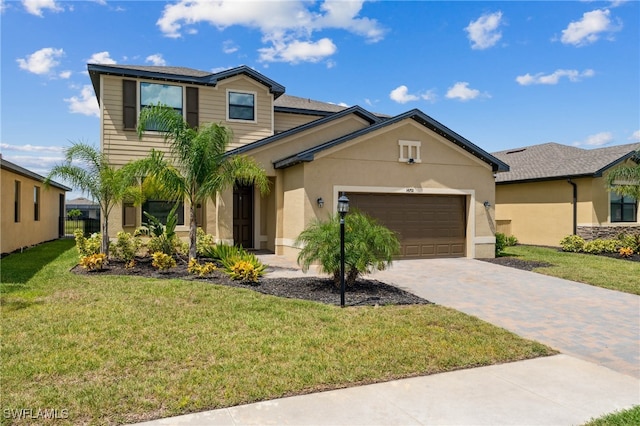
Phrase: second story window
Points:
(241, 106)
(153, 94)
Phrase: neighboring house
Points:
(555, 190)
(88, 208)
(31, 213)
(418, 177)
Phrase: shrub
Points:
(203, 241)
(87, 246)
(163, 237)
(601, 246)
(572, 243)
(125, 248)
(245, 271)
(501, 243)
(93, 262)
(201, 269)
(630, 240)
(220, 252)
(625, 252)
(369, 246)
(163, 261)
(511, 241)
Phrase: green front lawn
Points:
(110, 349)
(601, 271)
(630, 417)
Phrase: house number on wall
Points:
(411, 190)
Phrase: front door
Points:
(243, 216)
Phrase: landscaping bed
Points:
(318, 289)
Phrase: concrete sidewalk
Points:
(557, 390)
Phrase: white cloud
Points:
(86, 103)
(31, 148)
(462, 92)
(298, 51)
(228, 47)
(156, 59)
(589, 29)
(599, 139)
(35, 7)
(635, 136)
(41, 165)
(483, 32)
(554, 78)
(287, 27)
(401, 95)
(65, 74)
(101, 58)
(42, 61)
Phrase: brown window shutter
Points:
(128, 214)
(129, 104)
(192, 107)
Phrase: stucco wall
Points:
(28, 231)
(371, 164)
(541, 213)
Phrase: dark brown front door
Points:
(243, 216)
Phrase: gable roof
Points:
(7, 165)
(555, 161)
(362, 113)
(297, 105)
(178, 75)
(414, 114)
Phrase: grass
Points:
(108, 349)
(600, 271)
(630, 417)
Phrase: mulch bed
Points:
(318, 289)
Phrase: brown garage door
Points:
(428, 225)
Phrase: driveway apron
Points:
(595, 324)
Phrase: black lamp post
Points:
(343, 209)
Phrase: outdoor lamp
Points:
(320, 202)
(343, 205)
(343, 209)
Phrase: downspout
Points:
(575, 206)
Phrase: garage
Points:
(428, 226)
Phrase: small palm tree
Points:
(625, 180)
(88, 169)
(368, 245)
(199, 167)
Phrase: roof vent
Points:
(516, 151)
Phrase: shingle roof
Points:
(414, 114)
(286, 102)
(7, 165)
(178, 74)
(555, 161)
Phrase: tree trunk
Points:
(105, 236)
(193, 228)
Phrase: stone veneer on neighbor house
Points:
(605, 232)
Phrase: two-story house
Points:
(423, 180)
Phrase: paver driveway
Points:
(597, 325)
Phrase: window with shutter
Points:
(192, 107)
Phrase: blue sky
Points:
(503, 74)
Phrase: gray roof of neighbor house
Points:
(414, 114)
(178, 74)
(551, 160)
(7, 165)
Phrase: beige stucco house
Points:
(554, 190)
(418, 177)
(31, 213)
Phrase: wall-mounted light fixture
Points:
(320, 202)
(411, 161)
(487, 204)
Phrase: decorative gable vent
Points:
(409, 152)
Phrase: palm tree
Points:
(94, 175)
(625, 180)
(199, 167)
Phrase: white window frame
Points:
(255, 106)
(409, 151)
